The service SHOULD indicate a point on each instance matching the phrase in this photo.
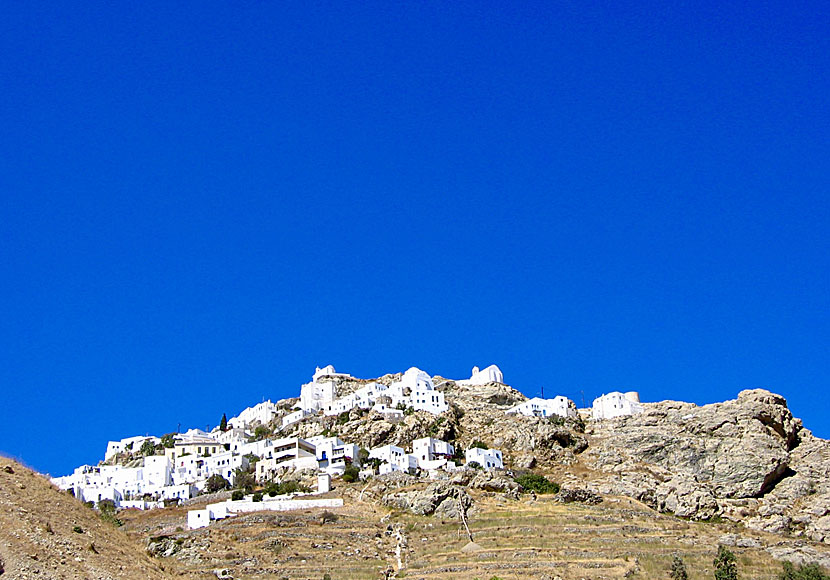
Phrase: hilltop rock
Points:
(746, 459)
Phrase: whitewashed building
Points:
(416, 390)
(231, 438)
(393, 458)
(258, 414)
(132, 444)
(616, 404)
(295, 417)
(536, 407)
(320, 391)
(429, 449)
(333, 455)
(391, 414)
(364, 398)
(487, 458)
(118, 483)
(196, 443)
(491, 374)
(284, 453)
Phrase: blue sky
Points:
(202, 202)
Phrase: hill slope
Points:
(45, 533)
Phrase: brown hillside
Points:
(46, 533)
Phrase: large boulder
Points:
(440, 498)
(694, 460)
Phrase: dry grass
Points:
(46, 533)
(545, 539)
(619, 538)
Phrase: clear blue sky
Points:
(202, 202)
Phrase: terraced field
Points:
(540, 538)
(544, 539)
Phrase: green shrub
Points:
(257, 496)
(726, 568)
(244, 480)
(216, 483)
(678, 569)
(476, 444)
(343, 418)
(350, 474)
(237, 495)
(167, 441)
(78, 529)
(804, 572)
(537, 483)
(474, 465)
(148, 447)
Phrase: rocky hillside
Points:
(676, 479)
(748, 460)
(45, 533)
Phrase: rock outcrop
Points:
(441, 498)
(746, 459)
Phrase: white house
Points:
(286, 452)
(616, 404)
(429, 449)
(128, 444)
(202, 518)
(393, 458)
(225, 464)
(491, 374)
(389, 413)
(230, 435)
(294, 417)
(537, 407)
(320, 391)
(333, 455)
(261, 413)
(118, 483)
(196, 443)
(487, 458)
(416, 390)
(363, 398)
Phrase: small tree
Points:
(261, 432)
(726, 568)
(216, 483)
(148, 447)
(350, 474)
(167, 441)
(244, 480)
(476, 444)
(678, 569)
(804, 572)
(223, 424)
(537, 483)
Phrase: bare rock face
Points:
(440, 498)
(746, 459)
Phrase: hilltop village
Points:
(145, 472)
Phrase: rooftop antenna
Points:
(543, 391)
(179, 428)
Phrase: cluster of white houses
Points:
(191, 458)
